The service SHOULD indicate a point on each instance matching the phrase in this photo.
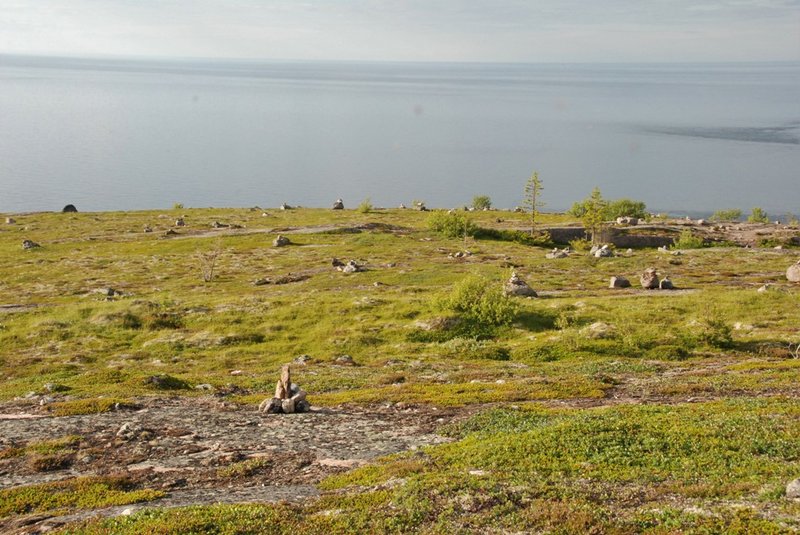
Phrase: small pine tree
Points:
(758, 215)
(533, 202)
(594, 217)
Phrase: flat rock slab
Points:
(188, 440)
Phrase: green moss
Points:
(80, 493)
(86, 406)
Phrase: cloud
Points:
(467, 30)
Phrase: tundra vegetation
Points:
(585, 410)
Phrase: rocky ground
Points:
(191, 448)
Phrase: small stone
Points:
(793, 489)
(287, 405)
(619, 282)
(271, 406)
(28, 244)
(236, 372)
(10, 221)
(280, 241)
(558, 253)
(338, 205)
(345, 360)
(351, 267)
(666, 284)
(70, 208)
(764, 288)
(603, 252)
(299, 396)
(302, 406)
(180, 222)
(204, 386)
(303, 359)
(147, 228)
(285, 206)
(128, 431)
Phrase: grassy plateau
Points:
(583, 410)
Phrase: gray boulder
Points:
(280, 241)
(338, 205)
(793, 489)
(603, 252)
(649, 279)
(558, 253)
(619, 282)
(351, 267)
(793, 272)
(666, 284)
(69, 209)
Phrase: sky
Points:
(408, 30)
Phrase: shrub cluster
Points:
(479, 300)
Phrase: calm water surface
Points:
(109, 135)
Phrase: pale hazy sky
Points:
(408, 30)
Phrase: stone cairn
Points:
(649, 280)
(289, 398)
(516, 286)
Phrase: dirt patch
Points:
(203, 451)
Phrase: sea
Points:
(114, 134)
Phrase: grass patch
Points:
(88, 406)
(80, 493)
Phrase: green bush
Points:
(625, 207)
(581, 245)
(612, 209)
(540, 239)
(732, 214)
(715, 332)
(481, 202)
(451, 224)
(480, 300)
(687, 240)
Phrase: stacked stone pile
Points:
(289, 398)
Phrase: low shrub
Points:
(687, 240)
(470, 348)
(539, 239)
(668, 352)
(481, 202)
(481, 301)
(451, 224)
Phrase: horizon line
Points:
(233, 59)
